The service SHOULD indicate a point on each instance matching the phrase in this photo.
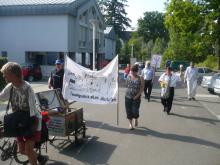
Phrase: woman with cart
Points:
(22, 98)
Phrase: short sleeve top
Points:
(133, 87)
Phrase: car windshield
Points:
(207, 70)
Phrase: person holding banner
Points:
(135, 86)
(56, 78)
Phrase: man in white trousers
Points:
(190, 77)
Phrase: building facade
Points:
(40, 31)
(110, 43)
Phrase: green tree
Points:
(124, 55)
(115, 14)
(184, 21)
(159, 46)
(151, 26)
(211, 29)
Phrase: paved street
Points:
(189, 136)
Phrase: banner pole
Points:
(118, 98)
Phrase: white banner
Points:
(84, 85)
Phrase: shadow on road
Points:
(206, 120)
(91, 151)
(143, 131)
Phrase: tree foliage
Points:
(151, 26)
(192, 29)
(115, 14)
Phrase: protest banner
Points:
(84, 85)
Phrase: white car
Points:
(212, 82)
(205, 81)
(217, 86)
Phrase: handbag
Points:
(165, 91)
(18, 123)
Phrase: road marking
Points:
(207, 95)
(208, 109)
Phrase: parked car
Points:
(202, 71)
(206, 80)
(31, 71)
(217, 86)
(212, 81)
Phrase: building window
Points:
(4, 54)
(82, 41)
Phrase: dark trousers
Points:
(147, 88)
(167, 103)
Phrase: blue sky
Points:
(136, 8)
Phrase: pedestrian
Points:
(135, 86)
(168, 63)
(148, 75)
(127, 71)
(55, 80)
(22, 98)
(168, 82)
(181, 72)
(190, 78)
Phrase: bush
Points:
(2, 81)
(210, 62)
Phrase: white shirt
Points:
(148, 73)
(191, 74)
(19, 92)
(174, 79)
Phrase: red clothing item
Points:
(127, 70)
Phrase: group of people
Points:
(137, 83)
(22, 98)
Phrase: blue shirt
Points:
(148, 73)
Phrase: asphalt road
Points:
(189, 136)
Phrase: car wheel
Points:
(30, 78)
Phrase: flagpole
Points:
(118, 98)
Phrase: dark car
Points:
(31, 71)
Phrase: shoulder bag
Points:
(165, 91)
(18, 123)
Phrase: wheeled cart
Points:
(64, 119)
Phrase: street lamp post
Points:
(132, 50)
(94, 23)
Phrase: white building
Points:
(40, 31)
(110, 43)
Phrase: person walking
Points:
(148, 75)
(135, 86)
(55, 80)
(127, 71)
(181, 72)
(168, 82)
(190, 78)
(22, 98)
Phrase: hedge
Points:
(2, 81)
